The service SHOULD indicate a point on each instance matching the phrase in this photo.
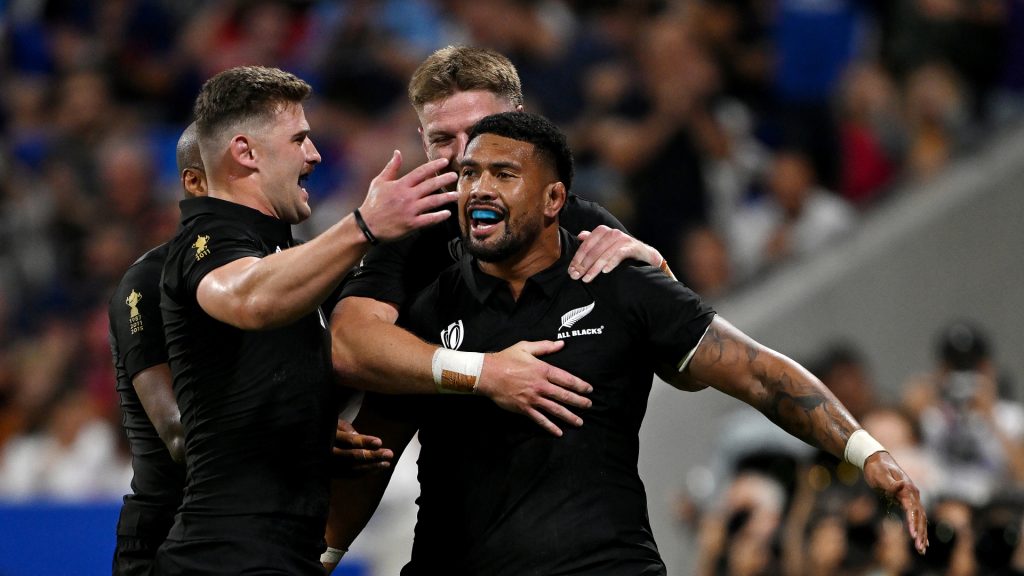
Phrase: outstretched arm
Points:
(604, 248)
(789, 395)
(371, 352)
(153, 386)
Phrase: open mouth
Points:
(482, 219)
(303, 178)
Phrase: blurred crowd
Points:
(732, 135)
(771, 506)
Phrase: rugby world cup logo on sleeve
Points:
(202, 246)
(134, 316)
(451, 337)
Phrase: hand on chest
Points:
(595, 335)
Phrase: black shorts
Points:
(134, 556)
(252, 547)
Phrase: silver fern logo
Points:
(570, 318)
(575, 315)
(451, 337)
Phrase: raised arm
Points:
(371, 352)
(791, 397)
(263, 293)
(153, 386)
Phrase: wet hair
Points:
(459, 68)
(547, 139)
(244, 94)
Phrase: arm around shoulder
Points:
(371, 352)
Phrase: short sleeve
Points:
(136, 326)
(212, 244)
(670, 316)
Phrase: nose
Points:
(312, 154)
(461, 139)
(481, 188)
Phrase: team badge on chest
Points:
(570, 318)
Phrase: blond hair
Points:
(459, 68)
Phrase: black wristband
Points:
(366, 229)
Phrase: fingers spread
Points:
(390, 171)
(561, 412)
(427, 188)
(425, 170)
(570, 384)
(544, 423)
(433, 201)
(354, 440)
(541, 347)
(588, 252)
(431, 218)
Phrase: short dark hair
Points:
(187, 151)
(547, 139)
(461, 68)
(245, 93)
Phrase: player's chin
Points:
(300, 214)
(486, 251)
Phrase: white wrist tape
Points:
(332, 555)
(456, 372)
(859, 447)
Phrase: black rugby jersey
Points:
(259, 408)
(512, 499)
(137, 343)
(397, 271)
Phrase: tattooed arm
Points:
(791, 397)
(785, 392)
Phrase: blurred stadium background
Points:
(840, 178)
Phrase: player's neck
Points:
(539, 256)
(244, 191)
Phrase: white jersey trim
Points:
(689, 356)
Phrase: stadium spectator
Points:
(795, 218)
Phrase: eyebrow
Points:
(498, 165)
(303, 133)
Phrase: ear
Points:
(519, 108)
(554, 199)
(194, 182)
(423, 140)
(242, 152)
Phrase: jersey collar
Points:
(267, 226)
(482, 285)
